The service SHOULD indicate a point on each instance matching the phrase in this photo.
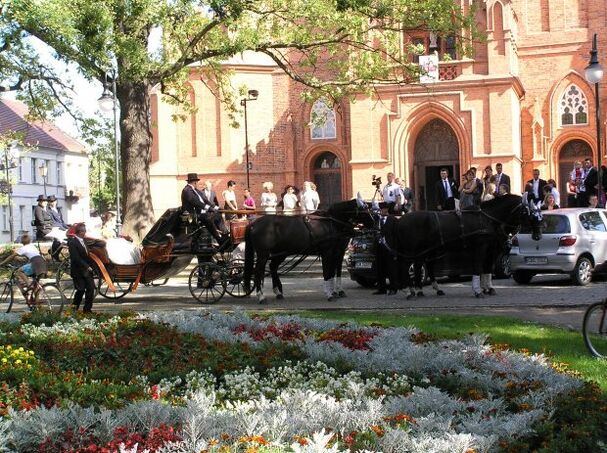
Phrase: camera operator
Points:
(392, 194)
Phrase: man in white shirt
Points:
(392, 194)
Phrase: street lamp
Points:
(44, 173)
(7, 187)
(251, 96)
(594, 74)
(108, 102)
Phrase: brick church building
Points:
(521, 99)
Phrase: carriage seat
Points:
(121, 251)
(158, 252)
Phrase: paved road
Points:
(547, 299)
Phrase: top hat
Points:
(193, 177)
(41, 198)
(51, 198)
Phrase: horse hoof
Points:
(341, 293)
(492, 292)
(330, 298)
(411, 296)
(421, 294)
(279, 296)
(262, 301)
(440, 292)
(479, 295)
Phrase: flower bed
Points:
(230, 383)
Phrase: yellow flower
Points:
(4, 360)
(18, 362)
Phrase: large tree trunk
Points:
(135, 151)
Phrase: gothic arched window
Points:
(322, 121)
(573, 107)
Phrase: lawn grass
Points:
(559, 344)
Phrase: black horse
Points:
(474, 237)
(327, 233)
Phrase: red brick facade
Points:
(504, 104)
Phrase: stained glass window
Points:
(322, 121)
(573, 107)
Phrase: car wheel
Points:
(502, 267)
(365, 282)
(522, 277)
(582, 272)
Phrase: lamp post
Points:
(251, 96)
(108, 102)
(7, 166)
(44, 173)
(594, 74)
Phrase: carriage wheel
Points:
(234, 283)
(122, 288)
(207, 283)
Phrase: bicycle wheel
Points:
(7, 296)
(48, 296)
(64, 281)
(595, 329)
(207, 283)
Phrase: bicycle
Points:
(594, 329)
(36, 295)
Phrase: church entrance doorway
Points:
(436, 147)
(572, 151)
(326, 174)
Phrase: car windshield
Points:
(551, 224)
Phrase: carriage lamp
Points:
(108, 102)
(251, 96)
(594, 74)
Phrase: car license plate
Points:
(363, 265)
(536, 260)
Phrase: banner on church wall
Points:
(429, 68)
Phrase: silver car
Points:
(574, 241)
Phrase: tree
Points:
(334, 47)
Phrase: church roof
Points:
(44, 134)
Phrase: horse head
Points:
(355, 211)
(511, 212)
(532, 215)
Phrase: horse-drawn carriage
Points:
(166, 251)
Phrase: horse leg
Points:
(432, 278)
(477, 267)
(260, 267)
(337, 289)
(276, 283)
(328, 275)
(406, 279)
(417, 272)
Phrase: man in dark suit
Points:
(446, 192)
(81, 269)
(195, 203)
(42, 219)
(500, 178)
(537, 186)
(209, 195)
(55, 214)
(589, 184)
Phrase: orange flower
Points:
(377, 430)
(301, 440)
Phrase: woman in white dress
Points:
(289, 201)
(309, 199)
(268, 198)
(229, 198)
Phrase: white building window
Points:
(22, 220)
(573, 107)
(322, 121)
(59, 181)
(34, 171)
(5, 218)
(21, 172)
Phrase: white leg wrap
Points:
(489, 281)
(435, 285)
(276, 291)
(484, 281)
(260, 296)
(338, 287)
(328, 287)
(476, 284)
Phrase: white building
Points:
(66, 163)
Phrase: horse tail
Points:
(249, 257)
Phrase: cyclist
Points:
(36, 265)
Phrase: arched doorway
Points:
(436, 147)
(326, 174)
(571, 151)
